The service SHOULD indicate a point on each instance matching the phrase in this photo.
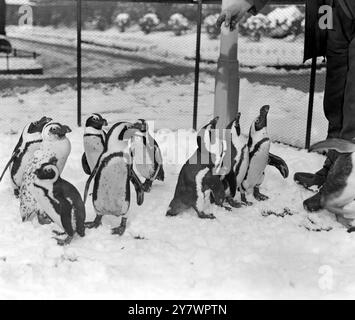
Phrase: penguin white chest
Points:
(242, 165)
(47, 202)
(111, 188)
(26, 158)
(93, 149)
(202, 195)
(143, 159)
(257, 163)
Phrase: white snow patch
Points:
(242, 254)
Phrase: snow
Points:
(245, 253)
(19, 2)
(165, 45)
(18, 64)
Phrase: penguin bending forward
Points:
(55, 144)
(259, 157)
(94, 141)
(238, 155)
(30, 141)
(112, 176)
(148, 159)
(339, 188)
(60, 200)
(198, 180)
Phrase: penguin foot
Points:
(245, 202)
(16, 193)
(233, 203)
(121, 229)
(259, 196)
(313, 204)
(58, 233)
(64, 242)
(203, 215)
(94, 224)
(147, 186)
(43, 219)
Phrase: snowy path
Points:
(241, 254)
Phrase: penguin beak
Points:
(237, 118)
(262, 118)
(213, 123)
(37, 172)
(45, 120)
(63, 131)
(141, 126)
(104, 123)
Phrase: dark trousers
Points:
(339, 98)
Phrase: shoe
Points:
(313, 204)
(308, 180)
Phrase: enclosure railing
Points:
(199, 4)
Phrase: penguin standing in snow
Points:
(94, 141)
(60, 200)
(239, 156)
(339, 188)
(29, 142)
(55, 144)
(148, 159)
(259, 157)
(198, 180)
(112, 176)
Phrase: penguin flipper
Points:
(88, 182)
(340, 145)
(85, 164)
(14, 155)
(138, 186)
(279, 164)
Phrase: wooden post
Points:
(227, 77)
(79, 76)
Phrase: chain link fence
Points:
(138, 61)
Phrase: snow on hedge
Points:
(284, 16)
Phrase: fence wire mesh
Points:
(138, 62)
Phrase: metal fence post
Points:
(197, 62)
(311, 102)
(79, 76)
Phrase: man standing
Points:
(338, 45)
(2, 17)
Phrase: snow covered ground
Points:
(18, 64)
(168, 46)
(245, 253)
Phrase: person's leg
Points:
(348, 129)
(336, 81)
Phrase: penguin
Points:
(112, 176)
(148, 158)
(339, 188)
(259, 157)
(60, 200)
(238, 156)
(94, 141)
(55, 144)
(198, 180)
(30, 141)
